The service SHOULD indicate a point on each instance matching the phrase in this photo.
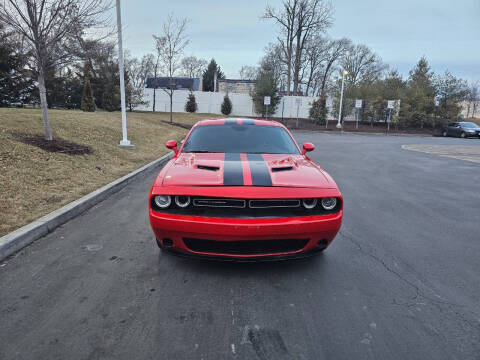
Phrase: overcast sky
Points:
(447, 32)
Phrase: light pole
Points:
(124, 142)
(339, 124)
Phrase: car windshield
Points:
(240, 139)
(469, 125)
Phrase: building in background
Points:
(236, 86)
(179, 83)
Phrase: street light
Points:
(339, 124)
(124, 142)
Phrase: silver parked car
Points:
(461, 129)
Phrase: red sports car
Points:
(242, 189)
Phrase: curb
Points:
(25, 235)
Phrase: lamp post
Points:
(339, 124)
(124, 142)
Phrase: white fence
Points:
(211, 102)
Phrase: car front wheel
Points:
(444, 134)
(462, 135)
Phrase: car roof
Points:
(238, 121)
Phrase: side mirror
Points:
(307, 147)
(172, 145)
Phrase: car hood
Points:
(220, 169)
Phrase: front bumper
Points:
(314, 233)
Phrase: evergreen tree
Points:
(266, 85)
(88, 104)
(209, 75)
(418, 106)
(226, 106)
(15, 84)
(451, 91)
(191, 105)
(111, 96)
(318, 111)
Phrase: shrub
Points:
(318, 111)
(88, 104)
(191, 105)
(226, 106)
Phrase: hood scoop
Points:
(282, 168)
(208, 167)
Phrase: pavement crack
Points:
(418, 294)
(350, 238)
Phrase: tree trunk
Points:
(171, 104)
(289, 77)
(154, 99)
(43, 103)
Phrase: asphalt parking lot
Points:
(400, 281)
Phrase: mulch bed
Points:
(184, 126)
(56, 145)
(349, 126)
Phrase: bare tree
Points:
(193, 67)
(170, 46)
(299, 21)
(473, 98)
(46, 25)
(362, 64)
(156, 69)
(275, 60)
(138, 70)
(285, 18)
(334, 51)
(248, 72)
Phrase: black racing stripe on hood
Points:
(232, 170)
(259, 170)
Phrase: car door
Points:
(454, 129)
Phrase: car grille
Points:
(218, 207)
(275, 203)
(245, 247)
(220, 203)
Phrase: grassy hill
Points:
(34, 182)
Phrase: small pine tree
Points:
(318, 111)
(191, 105)
(88, 104)
(226, 105)
(267, 85)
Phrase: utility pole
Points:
(124, 142)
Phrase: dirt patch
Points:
(56, 145)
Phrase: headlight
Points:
(182, 201)
(163, 201)
(309, 203)
(329, 203)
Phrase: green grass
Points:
(34, 182)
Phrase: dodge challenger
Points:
(243, 189)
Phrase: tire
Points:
(444, 133)
(463, 135)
